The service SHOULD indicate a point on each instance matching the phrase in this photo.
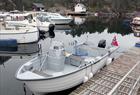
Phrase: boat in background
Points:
(137, 44)
(136, 20)
(22, 34)
(59, 70)
(136, 30)
(57, 18)
(27, 19)
(20, 49)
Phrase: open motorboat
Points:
(57, 18)
(59, 70)
(22, 34)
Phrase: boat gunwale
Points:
(12, 33)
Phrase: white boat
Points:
(20, 49)
(136, 30)
(56, 18)
(136, 21)
(59, 70)
(24, 34)
(27, 19)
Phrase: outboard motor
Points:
(51, 30)
(56, 58)
(102, 44)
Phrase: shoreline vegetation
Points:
(119, 8)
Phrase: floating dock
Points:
(121, 77)
(77, 14)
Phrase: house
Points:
(80, 8)
(38, 6)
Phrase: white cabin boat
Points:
(136, 21)
(136, 30)
(56, 18)
(27, 19)
(24, 34)
(58, 70)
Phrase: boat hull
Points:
(61, 21)
(21, 37)
(66, 81)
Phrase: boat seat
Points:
(75, 60)
(41, 73)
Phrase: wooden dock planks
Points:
(103, 82)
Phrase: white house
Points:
(80, 8)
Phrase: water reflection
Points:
(3, 59)
(63, 28)
(120, 26)
(79, 20)
(91, 25)
(95, 24)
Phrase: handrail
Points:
(118, 84)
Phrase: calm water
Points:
(82, 29)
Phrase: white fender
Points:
(90, 75)
(108, 61)
(85, 79)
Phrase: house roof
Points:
(39, 5)
(80, 4)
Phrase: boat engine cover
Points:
(102, 44)
(56, 58)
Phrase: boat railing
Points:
(134, 69)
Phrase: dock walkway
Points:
(122, 77)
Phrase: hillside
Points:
(92, 5)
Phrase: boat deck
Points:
(23, 27)
(119, 78)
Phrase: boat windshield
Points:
(43, 19)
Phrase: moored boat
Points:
(136, 21)
(27, 18)
(136, 30)
(22, 34)
(137, 44)
(59, 70)
(19, 49)
(57, 18)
